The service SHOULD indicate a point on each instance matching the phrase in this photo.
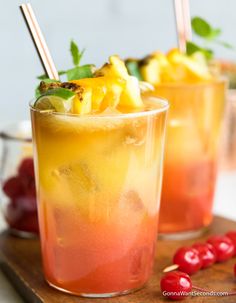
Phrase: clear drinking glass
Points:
(191, 156)
(98, 184)
(228, 150)
(18, 195)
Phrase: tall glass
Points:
(191, 156)
(98, 183)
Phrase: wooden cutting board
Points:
(20, 260)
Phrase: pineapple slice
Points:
(188, 68)
(153, 67)
(130, 97)
(82, 102)
(98, 88)
(113, 95)
(106, 91)
(150, 70)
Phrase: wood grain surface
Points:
(20, 260)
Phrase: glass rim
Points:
(164, 106)
(6, 134)
(191, 85)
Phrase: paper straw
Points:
(39, 41)
(187, 20)
(183, 22)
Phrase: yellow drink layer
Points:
(106, 155)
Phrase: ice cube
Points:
(132, 200)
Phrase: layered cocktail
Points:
(196, 99)
(98, 155)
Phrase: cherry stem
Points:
(224, 293)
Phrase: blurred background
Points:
(104, 27)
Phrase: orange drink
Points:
(193, 130)
(98, 184)
(191, 155)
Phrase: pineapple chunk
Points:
(98, 87)
(113, 95)
(106, 91)
(153, 67)
(189, 68)
(82, 102)
(130, 97)
(150, 70)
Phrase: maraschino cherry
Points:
(188, 260)
(224, 247)
(232, 235)
(207, 253)
(176, 285)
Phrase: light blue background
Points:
(104, 27)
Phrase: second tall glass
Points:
(191, 154)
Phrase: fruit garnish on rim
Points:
(197, 64)
(110, 86)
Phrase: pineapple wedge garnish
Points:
(153, 66)
(130, 96)
(189, 68)
(106, 91)
(150, 70)
(82, 102)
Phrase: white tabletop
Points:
(225, 201)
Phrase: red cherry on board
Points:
(188, 260)
(176, 285)
(232, 235)
(224, 247)
(207, 253)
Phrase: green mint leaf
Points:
(46, 80)
(133, 69)
(215, 32)
(60, 92)
(209, 54)
(225, 44)
(42, 77)
(74, 50)
(61, 72)
(201, 27)
(80, 72)
(75, 53)
(81, 55)
(191, 48)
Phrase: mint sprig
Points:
(209, 35)
(77, 72)
(75, 53)
(60, 92)
(192, 48)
